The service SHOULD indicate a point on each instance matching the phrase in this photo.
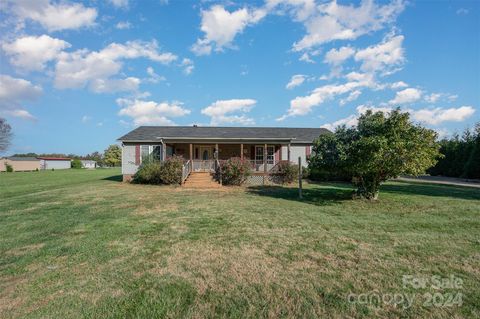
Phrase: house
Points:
(264, 147)
(20, 164)
(54, 163)
(88, 164)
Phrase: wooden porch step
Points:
(201, 180)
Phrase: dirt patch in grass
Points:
(9, 300)
(24, 250)
(220, 268)
(147, 211)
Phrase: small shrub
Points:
(9, 168)
(76, 163)
(171, 170)
(148, 173)
(156, 172)
(235, 171)
(286, 172)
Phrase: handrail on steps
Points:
(186, 170)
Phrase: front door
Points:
(205, 153)
(204, 159)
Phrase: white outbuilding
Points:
(89, 164)
(55, 163)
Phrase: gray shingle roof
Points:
(154, 133)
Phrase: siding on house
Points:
(128, 159)
(295, 152)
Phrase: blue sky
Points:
(74, 76)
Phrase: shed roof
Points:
(22, 158)
(155, 133)
(54, 158)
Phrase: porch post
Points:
(191, 156)
(164, 151)
(216, 152)
(265, 153)
(241, 151)
(288, 152)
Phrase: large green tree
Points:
(113, 155)
(379, 148)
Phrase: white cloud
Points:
(386, 57)
(338, 56)
(119, 3)
(221, 111)
(302, 105)
(86, 118)
(123, 25)
(295, 81)
(95, 69)
(433, 97)
(14, 91)
(409, 95)
(462, 11)
(115, 85)
(154, 77)
(188, 66)
(398, 85)
(307, 56)
(332, 21)
(351, 97)
(150, 112)
(53, 16)
(428, 116)
(221, 26)
(439, 115)
(352, 120)
(32, 53)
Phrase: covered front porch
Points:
(202, 157)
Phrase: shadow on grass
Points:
(114, 178)
(436, 190)
(316, 196)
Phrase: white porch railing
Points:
(203, 165)
(186, 170)
(258, 165)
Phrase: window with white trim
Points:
(151, 152)
(270, 154)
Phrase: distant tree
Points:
(458, 155)
(76, 163)
(5, 135)
(472, 167)
(379, 148)
(95, 156)
(26, 155)
(113, 155)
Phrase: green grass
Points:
(79, 243)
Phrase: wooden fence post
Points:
(300, 177)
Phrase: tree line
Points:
(461, 155)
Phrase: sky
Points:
(75, 76)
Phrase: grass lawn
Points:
(79, 243)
